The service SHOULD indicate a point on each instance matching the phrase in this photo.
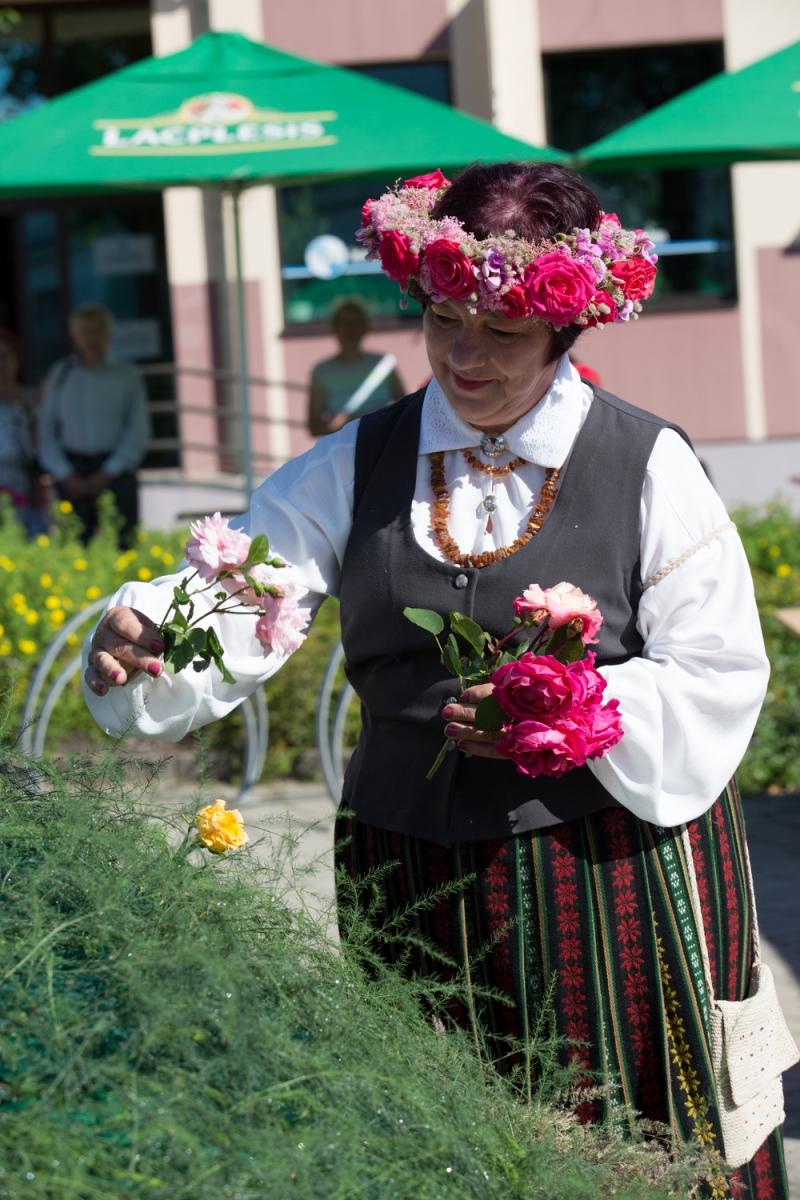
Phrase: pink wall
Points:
(358, 31)
(191, 332)
(779, 281)
(302, 353)
(585, 24)
(683, 366)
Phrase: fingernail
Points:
(117, 675)
(156, 646)
(154, 668)
(451, 730)
(465, 696)
(464, 746)
(447, 712)
(100, 688)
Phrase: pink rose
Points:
(539, 749)
(432, 181)
(636, 277)
(566, 603)
(216, 547)
(366, 213)
(531, 603)
(515, 302)
(541, 687)
(559, 287)
(611, 219)
(452, 273)
(602, 318)
(605, 731)
(397, 258)
(282, 626)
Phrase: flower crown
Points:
(587, 277)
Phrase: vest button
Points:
(460, 581)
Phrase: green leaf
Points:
(522, 648)
(426, 618)
(180, 654)
(489, 716)
(181, 597)
(566, 649)
(197, 640)
(259, 550)
(469, 630)
(451, 657)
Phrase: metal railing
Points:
(331, 721)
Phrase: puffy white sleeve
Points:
(306, 510)
(690, 704)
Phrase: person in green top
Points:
(335, 381)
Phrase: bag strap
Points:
(698, 909)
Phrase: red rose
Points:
(515, 302)
(602, 318)
(366, 210)
(452, 273)
(559, 287)
(397, 258)
(636, 277)
(432, 181)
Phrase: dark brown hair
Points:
(536, 200)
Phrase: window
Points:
(335, 209)
(592, 93)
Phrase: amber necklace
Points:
(440, 515)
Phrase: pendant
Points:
(492, 447)
(489, 503)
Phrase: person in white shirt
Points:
(335, 380)
(94, 427)
(600, 883)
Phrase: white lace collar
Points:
(544, 435)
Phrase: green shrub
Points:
(170, 1027)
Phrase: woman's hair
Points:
(536, 200)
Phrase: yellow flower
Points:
(144, 573)
(67, 602)
(65, 506)
(52, 602)
(17, 598)
(73, 639)
(156, 551)
(27, 646)
(2, 631)
(46, 581)
(783, 569)
(57, 616)
(93, 592)
(219, 830)
(167, 560)
(43, 540)
(31, 617)
(5, 647)
(142, 536)
(80, 564)
(775, 551)
(6, 563)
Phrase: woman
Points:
(335, 380)
(571, 877)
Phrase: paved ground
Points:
(773, 825)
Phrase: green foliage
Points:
(170, 1027)
(772, 541)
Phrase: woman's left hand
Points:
(461, 723)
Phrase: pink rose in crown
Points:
(282, 627)
(636, 277)
(452, 273)
(432, 181)
(562, 604)
(397, 258)
(541, 687)
(599, 302)
(215, 547)
(559, 287)
(515, 302)
(366, 213)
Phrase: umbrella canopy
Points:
(751, 115)
(230, 111)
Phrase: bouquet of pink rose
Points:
(240, 569)
(547, 699)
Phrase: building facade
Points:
(717, 350)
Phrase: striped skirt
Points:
(591, 917)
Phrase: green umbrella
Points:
(228, 112)
(751, 115)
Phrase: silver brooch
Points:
(489, 503)
(492, 447)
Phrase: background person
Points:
(334, 380)
(95, 425)
(19, 475)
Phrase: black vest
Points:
(591, 539)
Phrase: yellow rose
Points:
(93, 593)
(43, 540)
(27, 646)
(80, 564)
(46, 581)
(219, 830)
(65, 506)
(144, 574)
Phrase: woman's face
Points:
(491, 368)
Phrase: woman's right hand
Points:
(124, 640)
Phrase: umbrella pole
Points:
(241, 313)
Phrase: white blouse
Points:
(689, 704)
